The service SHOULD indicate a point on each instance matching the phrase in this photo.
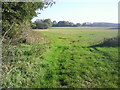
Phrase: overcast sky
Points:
(79, 11)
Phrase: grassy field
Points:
(68, 58)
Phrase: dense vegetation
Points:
(17, 13)
(42, 24)
(16, 29)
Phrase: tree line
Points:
(44, 24)
(65, 24)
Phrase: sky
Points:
(80, 11)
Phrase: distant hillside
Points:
(104, 24)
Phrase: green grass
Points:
(67, 60)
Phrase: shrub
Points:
(43, 24)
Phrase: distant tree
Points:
(43, 24)
(84, 24)
(65, 24)
(71, 24)
(78, 24)
(55, 22)
(87, 24)
(49, 22)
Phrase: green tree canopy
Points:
(19, 12)
(43, 24)
(48, 21)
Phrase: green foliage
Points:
(43, 24)
(18, 12)
(22, 68)
(48, 21)
(65, 24)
